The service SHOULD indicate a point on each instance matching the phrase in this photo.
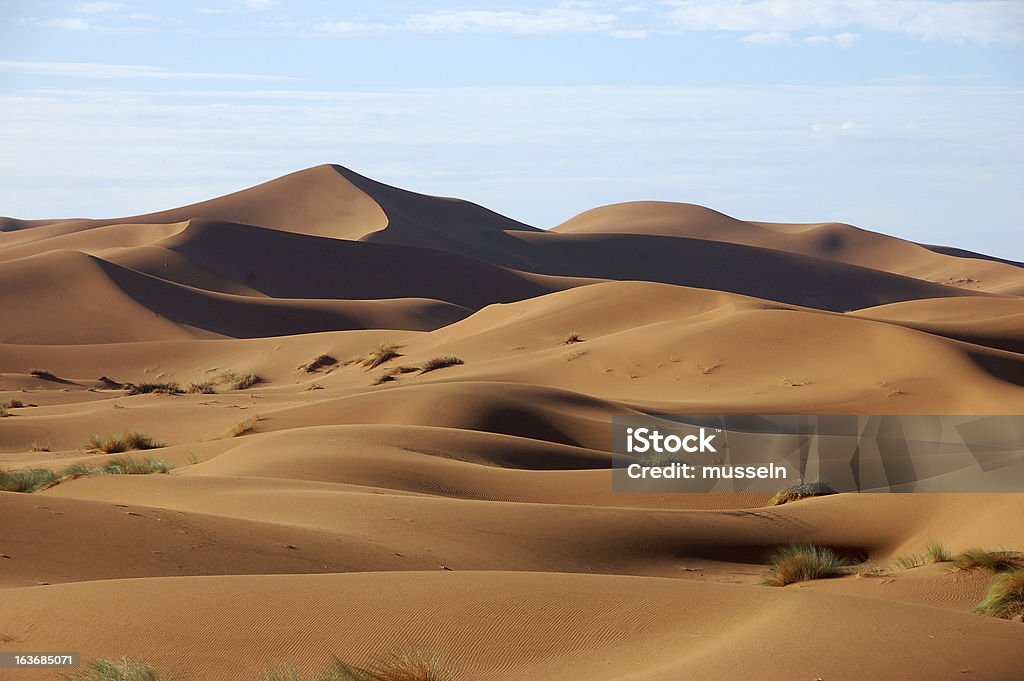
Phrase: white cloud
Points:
(96, 7)
(68, 24)
(982, 21)
(556, 20)
(838, 39)
(120, 71)
(346, 27)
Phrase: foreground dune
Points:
(419, 457)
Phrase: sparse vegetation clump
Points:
(981, 559)
(573, 337)
(153, 388)
(28, 480)
(385, 352)
(803, 562)
(440, 363)
(115, 444)
(243, 427)
(1005, 597)
(403, 666)
(802, 490)
(124, 670)
(318, 363)
(936, 552)
(107, 383)
(44, 374)
(12, 404)
(234, 381)
(393, 374)
(203, 388)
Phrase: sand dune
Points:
(334, 507)
(828, 240)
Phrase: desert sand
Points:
(348, 510)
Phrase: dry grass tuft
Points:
(936, 552)
(203, 388)
(803, 562)
(318, 363)
(243, 427)
(12, 404)
(153, 388)
(115, 444)
(573, 337)
(235, 381)
(44, 374)
(385, 352)
(440, 363)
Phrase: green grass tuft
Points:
(27, 481)
(936, 552)
(1005, 597)
(125, 465)
(125, 670)
(980, 559)
(440, 363)
(803, 562)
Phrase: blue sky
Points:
(903, 116)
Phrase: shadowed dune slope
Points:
(830, 240)
(269, 261)
(89, 300)
(736, 268)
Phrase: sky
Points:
(899, 116)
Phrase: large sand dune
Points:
(349, 509)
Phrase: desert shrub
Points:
(28, 480)
(44, 374)
(107, 383)
(205, 388)
(803, 562)
(153, 388)
(440, 363)
(124, 670)
(385, 352)
(115, 444)
(318, 363)
(573, 337)
(12, 404)
(1005, 597)
(236, 381)
(980, 559)
(802, 490)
